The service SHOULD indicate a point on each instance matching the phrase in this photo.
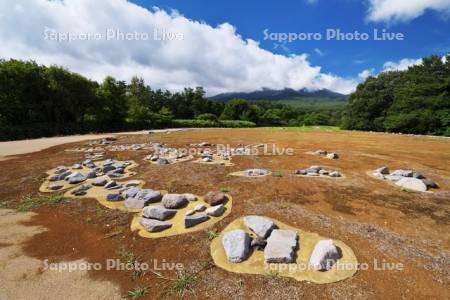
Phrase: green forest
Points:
(37, 101)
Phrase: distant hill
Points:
(284, 94)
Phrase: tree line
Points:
(36, 101)
(414, 101)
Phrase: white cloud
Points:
(366, 73)
(400, 65)
(214, 57)
(404, 10)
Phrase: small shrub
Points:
(138, 292)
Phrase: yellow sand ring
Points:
(244, 174)
(345, 267)
(178, 221)
(66, 185)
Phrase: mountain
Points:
(284, 94)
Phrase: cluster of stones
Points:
(256, 172)
(163, 155)
(317, 171)
(105, 141)
(279, 245)
(155, 218)
(74, 175)
(324, 153)
(407, 179)
(130, 147)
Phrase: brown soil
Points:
(377, 220)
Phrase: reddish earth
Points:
(377, 220)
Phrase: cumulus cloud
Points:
(404, 10)
(216, 58)
(366, 73)
(400, 65)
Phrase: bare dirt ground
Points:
(378, 221)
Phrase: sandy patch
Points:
(24, 277)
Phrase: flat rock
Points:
(114, 197)
(215, 198)
(215, 211)
(110, 185)
(261, 226)
(237, 245)
(174, 201)
(382, 170)
(134, 203)
(281, 246)
(149, 196)
(99, 181)
(256, 172)
(55, 186)
(91, 174)
(158, 213)
(152, 225)
(335, 174)
(190, 221)
(130, 192)
(412, 184)
(190, 212)
(324, 255)
(190, 197)
(162, 161)
(199, 207)
(76, 177)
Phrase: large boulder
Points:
(324, 255)
(75, 178)
(237, 245)
(99, 181)
(174, 200)
(130, 192)
(412, 184)
(158, 212)
(215, 211)
(190, 221)
(261, 226)
(215, 198)
(152, 225)
(149, 196)
(281, 246)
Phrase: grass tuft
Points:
(30, 201)
(184, 282)
(138, 292)
(224, 190)
(212, 234)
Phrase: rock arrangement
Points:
(280, 245)
(88, 171)
(406, 179)
(324, 153)
(163, 155)
(182, 211)
(317, 171)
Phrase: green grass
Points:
(138, 292)
(306, 128)
(212, 234)
(277, 174)
(30, 202)
(184, 282)
(127, 255)
(224, 190)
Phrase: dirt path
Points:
(24, 277)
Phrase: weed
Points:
(212, 234)
(138, 292)
(183, 283)
(127, 255)
(30, 201)
(277, 174)
(224, 190)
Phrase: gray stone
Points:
(60, 176)
(261, 226)
(55, 186)
(418, 175)
(430, 183)
(60, 169)
(130, 192)
(281, 246)
(158, 212)
(76, 178)
(335, 174)
(190, 221)
(114, 197)
(99, 181)
(324, 172)
(190, 197)
(174, 201)
(108, 168)
(404, 173)
(215, 211)
(199, 207)
(114, 173)
(110, 185)
(134, 203)
(77, 166)
(256, 172)
(383, 170)
(313, 169)
(215, 198)
(324, 255)
(91, 174)
(332, 155)
(149, 196)
(412, 184)
(162, 161)
(207, 159)
(312, 174)
(152, 225)
(190, 212)
(237, 245)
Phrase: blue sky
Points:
(425, 35)
(220, 45)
